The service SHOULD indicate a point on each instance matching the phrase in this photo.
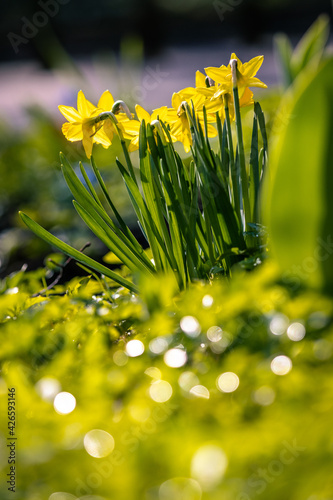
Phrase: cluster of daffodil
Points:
(198, 219)
(213, 92)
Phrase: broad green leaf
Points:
(284, 51)
(311, 47)
(106, 235)
(76, 254)
(298, 202)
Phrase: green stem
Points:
(110, 115)
(233, 168)
(243, 174)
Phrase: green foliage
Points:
(31, 181)
(192, 218)
(298, 203)
(308, 53)
(248, 443)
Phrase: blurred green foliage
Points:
(31, 180)
(268, 438)
(298, 200)
(308, 52)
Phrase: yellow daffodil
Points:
(87, 123)
(193, 93)
(133, 127)
(180, 127)
(109, 126)
(245, 76)
(81, 124)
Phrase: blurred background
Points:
(141, 51)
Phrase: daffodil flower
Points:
(81, 124)
(180, 127)
(245, 76)
(133, 127)
(122, 123)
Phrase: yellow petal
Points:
(109, 129)
(176, 100)
(84, 107)
(239, 62)
(211, 131)
(187, 93)
(101, 138)
(72, 132)
(176, 128)
(87, 139)
(214, 105)
(134, 144)
(208, 92)
(200, 79)
(142, 114)
(70, 113)
(172, 116)
(247, 98)
(251, 68)
(218, 74)
(255, 82)
(187, 143)
(160, 113)
(222, 89)
(106, 101)
(122, 117)
(131, 127)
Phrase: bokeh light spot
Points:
(64, 403)
(120, 358)
(200, 391)
(264, 396)
(48, 388)
(187, 380)
(296, 332)
(175, 358)
(207, 301)
(214, 333)
(227, 382)
(190, 326)
(135, 348)
(158, 345)
(160, 391)
(281, 365)
(208, 466)
(62, 495)
(180, 488)
(98, 443)
(278, 324)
